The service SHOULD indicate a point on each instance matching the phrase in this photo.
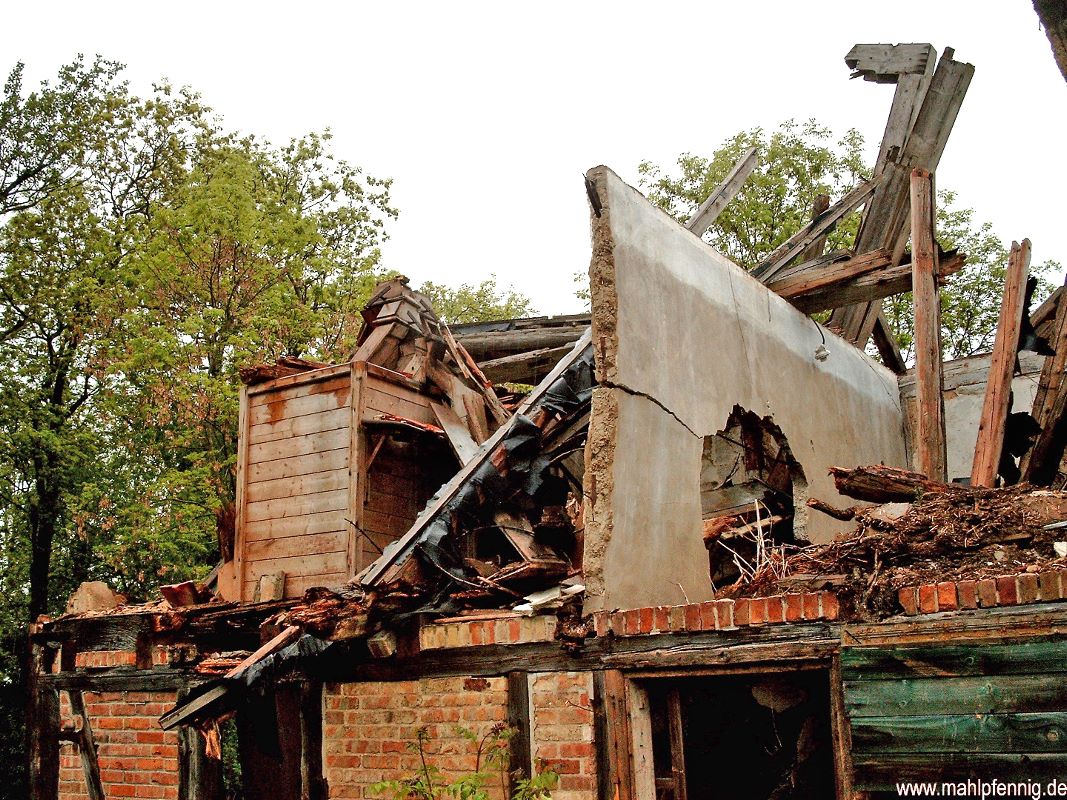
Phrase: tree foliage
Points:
(480, 302)
(797, 163)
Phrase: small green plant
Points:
(492, 763)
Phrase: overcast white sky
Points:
(487, 114)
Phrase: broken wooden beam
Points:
(995, 407)
(810, 233)
(930, 421)
(528, 368)
(885, 63)
(459, 437)
(1038, 464)
(881, 484)
(86, 746)
(886, 343)
(721, 196)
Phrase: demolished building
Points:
(646, 564)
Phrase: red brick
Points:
(601, 623)
(645, 617)
(757, 611)
(742, 611)
(1028, 588)
(909, 599)
(676, 616)
(967, 592)
(1007, 590)
(618, 623)
(633, 621)
(514, 631)
(927, 598)
(831, 609)
(1050, 585)
(775, 610)
(794, 607)
(476, 633)
(725, 611)
(662, 619)
(987, 593)
(707, 616)
(946, 596)
(811, 605)
(692, 617)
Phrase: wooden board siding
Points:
(296, 436)
(951, 711)
(393, 500)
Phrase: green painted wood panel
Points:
(880, 663)
(970, 733)
(968, 695)
(881, 772)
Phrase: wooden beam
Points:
(312, 782)
(886, 63)
(1039, 463)
(199, 777)
(710, 209)
(887, 346)
(94, 788)
(527, 367)
(990, 444)
(841, 738)
(620, 736)
(43, 725)
(459, 436)
(815, 249)
(930, 426)
(519, 719)
(676, 734)
(810, 233)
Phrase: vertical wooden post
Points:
(990, 444)
(1037, 465)
(42, 724)
(615, 758)
(520, 746)
(841, 736)
(930, 441)
(357, 469)
(241, 499)
(676, 730)
(312, 782)
(199, 777)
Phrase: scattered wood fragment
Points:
(882, 484)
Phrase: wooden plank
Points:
(94, 788)
(826, 270)
(458, 436)
(885, 63)
(240, 524)
(1036, 464)
(616, 707)
(307, 464)
(964, 695)
(297, 506)
(199, 777)
(603, 748)
(296, 585)
(395, 505)
(358, 477)
(988, 448)
(382, 397)
(297, 486)
(1002, 625)
(1043, 655)
(882, 772)
(312, 781)
(300, 379)
(333, 542)
(301, 406)
(268, 395)
(299, 426)
(296, 526)
(392, 525)
(818, 227)
(519, 747)
(886, 343)
(304, 565)
(962, 733)
(676, 734)
(721, 196)
(298, 446)
(840, 735)
(528, 368)
(930, 427)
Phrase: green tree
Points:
(797, 163)
(482, 302)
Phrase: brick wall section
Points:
(561, 717)
(137, 759)
(719, 614)
(367, 727)
(1004, 590)
(501, 630)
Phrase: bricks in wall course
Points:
(946, 596)
(1007, 592)
(1027, 586)
(987, 593)
(1050, 585)
(742, 611)
(707, 616)
(927, 598)
(909, 599)
(676, 618)
(692, 617)
(967, 593)
(812, 605)
(775, 609)
(831, 609)
(661, 619)
(794, 607)
(725, 611)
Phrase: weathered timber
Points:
(603, 749)
(840, 735)
(312, 782)
(94, 788)
(528, 368)
(459, 436)
(994, 625)
(199, 777)
(816, 248)
(620, 736)
(43, 730)
(930, 456)
(881, 484)
(721, 196)
(676, 734)
(519, 720)
(817, 228)
(1044, 318)
(885, 63)
(117, 679)
(981, 694)
(1043, 655)
(1053, 17)
(995, 407)
(1039, 463)
(489, 345)
(962, 733)
(882, 772)
(887, 346)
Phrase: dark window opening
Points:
(752, 495)
(746, 737)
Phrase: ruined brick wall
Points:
(367, 727)
(137, 759)
(561, 716)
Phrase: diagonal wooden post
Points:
(930, 423)
(995, 409)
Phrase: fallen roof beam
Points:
(527, 368)
(865, 278)
(490, 345)
(821, 225)
(710, 209)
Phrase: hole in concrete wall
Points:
(752, 495)
(746, 737)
